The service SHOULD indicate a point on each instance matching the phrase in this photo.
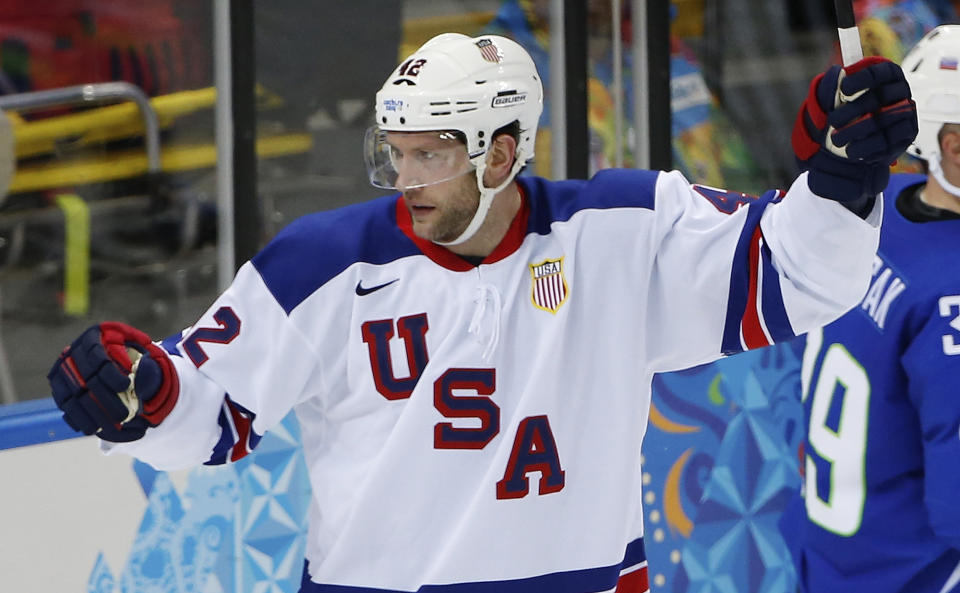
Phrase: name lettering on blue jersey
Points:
(484, 383)
(884, 289)
(229, 329)
(377, 334)
(534, 450)
(951, 341)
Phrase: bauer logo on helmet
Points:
(509, 99)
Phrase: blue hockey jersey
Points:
(881, 389)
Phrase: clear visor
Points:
(408, 160)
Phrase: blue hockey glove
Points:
(114, 382)
(853, 125)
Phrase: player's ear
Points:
(950, 143)
(500, 157)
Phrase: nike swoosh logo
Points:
(363, 291)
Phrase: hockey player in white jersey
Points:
(470, 358)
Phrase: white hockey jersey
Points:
(478, 428)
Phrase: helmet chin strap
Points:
(933, 165)
(486, 199)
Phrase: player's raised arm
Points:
(774, 267)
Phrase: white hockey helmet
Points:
(931, 69)
(453, 82)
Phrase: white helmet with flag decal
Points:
(455, 83)
(931, 69)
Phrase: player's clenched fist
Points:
(853, 125)
(114, 382)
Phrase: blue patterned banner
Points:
(235, 529)
(720, 462)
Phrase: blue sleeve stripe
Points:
(774, 312)
(169, 343)
(636, 554)
(227, 438)
(633, 580)
(740, 276)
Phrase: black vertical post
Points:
(246, 207)
(658, 83)
(714, 48)
(575, 72)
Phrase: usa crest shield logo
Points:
(550, 288)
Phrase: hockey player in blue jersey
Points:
(881, 386)
(470, 358)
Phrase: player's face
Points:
(442, 212)
(439, 211)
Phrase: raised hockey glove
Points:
(114, 382)
(853, 125)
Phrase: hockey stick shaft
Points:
(851, 52)
(850, 49)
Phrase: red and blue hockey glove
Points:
(114, 382)
(853, 125)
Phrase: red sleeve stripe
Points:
(753, 330)
(748, 290)
(634, 579)
(242, 430)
